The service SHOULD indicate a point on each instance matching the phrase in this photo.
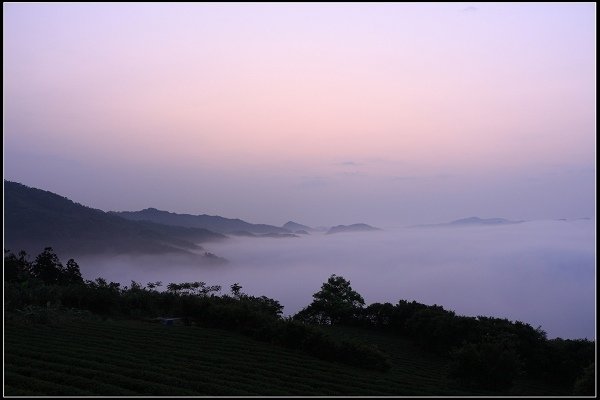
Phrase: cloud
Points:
(348, 164)
(470, 9)
(538, 272)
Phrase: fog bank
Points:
(540, 272)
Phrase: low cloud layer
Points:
(540, 272)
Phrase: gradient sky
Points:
(325, 114)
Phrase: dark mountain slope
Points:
(212, 222)
(35, 218)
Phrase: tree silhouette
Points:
(47, 267)
(335, 303)
(16, 268)
(71, 273)
(236, 290)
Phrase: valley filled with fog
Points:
(539, 272)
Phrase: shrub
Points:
(488, 365)
(585, 385)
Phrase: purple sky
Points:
(389, 114)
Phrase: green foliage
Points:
(236, 290)
(192, 288)
(565, 359)
(263, 304)
(296, 335)
(585, 385)
(256, 316)
(44, 291)
(379, 315)
(335, 303)
(469, 340)
(488, 365)
(71, 273)
(134, 358)
(16, 268)
(434, 328)
(46, 268)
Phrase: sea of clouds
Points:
(539, 272)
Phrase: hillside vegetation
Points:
(95, 357)
(65, 336)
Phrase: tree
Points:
(335, 303)
(47, 267)
(153, 285)
(71, 274)
(236, 290)
(16, 269)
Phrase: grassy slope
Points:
(88, 357)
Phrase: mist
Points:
(538, 272)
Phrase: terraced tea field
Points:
(137, 358)
(82, 357)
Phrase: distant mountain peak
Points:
(483, 221)
(472, 221)
(153, 210)
(468, 219)
(360, 227)
(294, 226)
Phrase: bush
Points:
(488, 365)
(585, 385)
(293, 334)
(240, 317)
(566, 359)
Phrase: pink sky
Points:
(327, 111)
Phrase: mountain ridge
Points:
(36, 218)
(294, 226)
(213, 223)
(470, 221)
(359, 227)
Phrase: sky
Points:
(325, 114)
